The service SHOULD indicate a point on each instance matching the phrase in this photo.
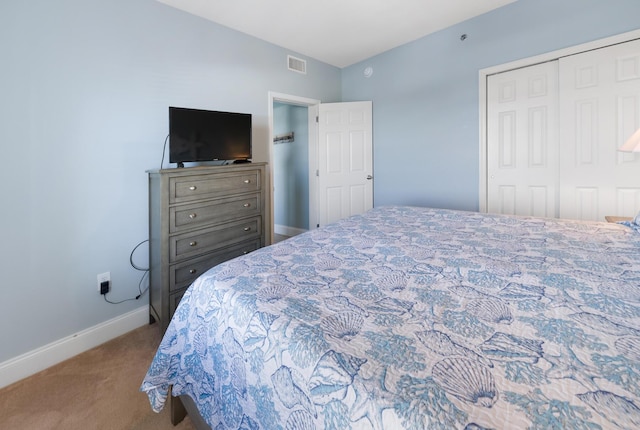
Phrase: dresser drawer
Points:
(185, 217)
(184, 273)
(198, 187)
(199, 242)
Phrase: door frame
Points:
(312, 105)
(525, 62)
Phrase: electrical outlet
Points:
(104, 277)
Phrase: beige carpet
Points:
(98, 389)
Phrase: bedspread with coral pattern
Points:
(415, 318)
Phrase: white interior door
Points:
(522, 141)
(345, 160)
(600, 108)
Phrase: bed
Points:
(415, 318)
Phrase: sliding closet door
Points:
(599, 109)
(522, 141)
(553, 131)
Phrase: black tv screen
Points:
(204, 135)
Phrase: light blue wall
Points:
(85, 86)
(425, 93)
(84, 90)
(291, 167)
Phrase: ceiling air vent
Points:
(297, 64)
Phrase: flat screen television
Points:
(205, 135)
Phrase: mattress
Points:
(415, 318)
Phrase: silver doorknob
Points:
(369, 177)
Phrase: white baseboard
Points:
(287, 231)
(39, 359)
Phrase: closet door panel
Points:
(599, 107)
(522, 144)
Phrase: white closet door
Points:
(599, 109)
(522, 141)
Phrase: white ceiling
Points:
(337, 32)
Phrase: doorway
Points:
(340, 169)
(290, 170)
(293, 155)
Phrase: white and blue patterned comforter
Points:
(415, 318)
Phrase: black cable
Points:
(164, 148)
(146, 272)
(133, 298)
(131, 257)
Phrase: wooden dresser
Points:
(198, 218)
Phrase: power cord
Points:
(164, 148)
(146, 271)
(144, 275)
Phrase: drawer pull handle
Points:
(193, 188)
(192, 271)
(193, 215)
(247, 205)
(247, 229)
(247, 181)
(194, 243)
